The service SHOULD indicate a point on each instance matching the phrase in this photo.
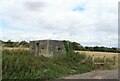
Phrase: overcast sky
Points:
(89, 22)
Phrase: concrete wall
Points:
(47, 47)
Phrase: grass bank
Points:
(20, 64)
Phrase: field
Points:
(106, 54)
(15, 48)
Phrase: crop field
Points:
(106, 54)
(15, 48)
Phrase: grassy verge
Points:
(20, 64)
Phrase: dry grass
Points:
(15, 48)
(106, 54)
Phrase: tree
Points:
(77, 46)
(24, 44)
(9, 43)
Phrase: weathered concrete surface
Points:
(104, 74)
(47, 47)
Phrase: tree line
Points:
(10, 43)
(79, 47)
(68, 45)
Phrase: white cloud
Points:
(43, 19)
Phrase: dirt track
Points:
(104, 74)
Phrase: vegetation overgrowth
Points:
(20, 64)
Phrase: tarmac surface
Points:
(103, 74)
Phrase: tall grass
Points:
(20, 64)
